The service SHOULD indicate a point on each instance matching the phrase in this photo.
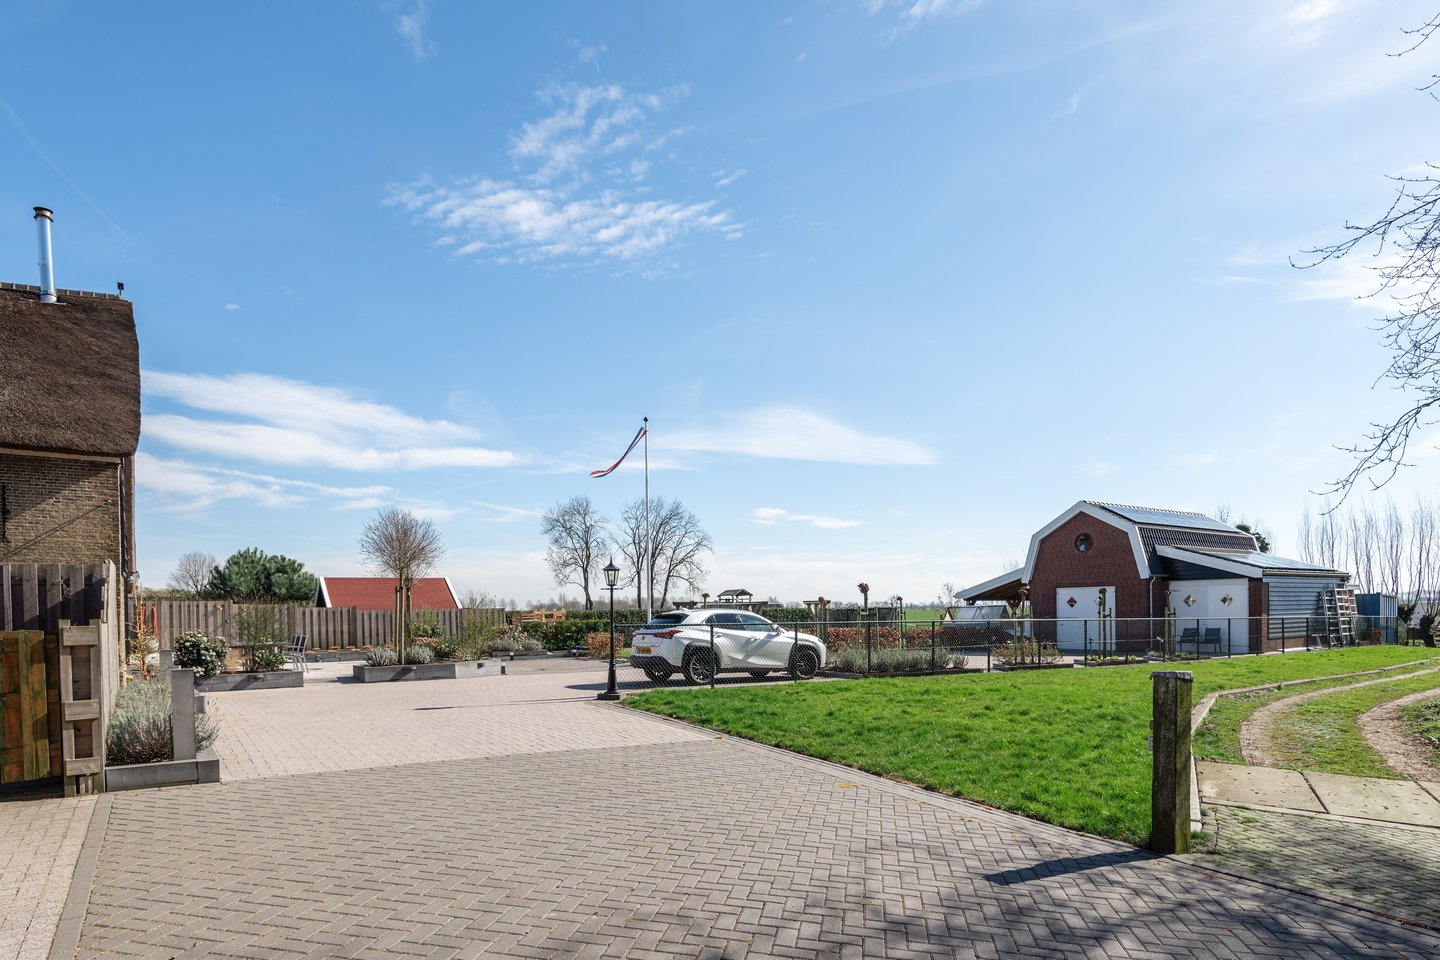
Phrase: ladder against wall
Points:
(1337, 607)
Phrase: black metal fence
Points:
(708, 655)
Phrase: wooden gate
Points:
(29, 702)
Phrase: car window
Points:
(754, 624)
(724, 620)
(667, 619)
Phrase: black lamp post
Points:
(612, 576)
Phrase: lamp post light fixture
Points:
(612, 576)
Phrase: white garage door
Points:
(1216, 610)
(1078, 616)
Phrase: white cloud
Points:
(728, 178)
(803, 55)
(274, 420)
(410, 22)
(192, 486)
(911, 13)
(772, 515)
(232, 306)
(582, 191)
(784, 433)
(504, 513)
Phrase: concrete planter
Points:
(1017, 667)
(268, 680)
(205, 768)
(444, 670)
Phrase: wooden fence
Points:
(57, 681)
(328, 628)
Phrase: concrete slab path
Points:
(40, 840)
(1362, 798)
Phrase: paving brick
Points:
(693, 847)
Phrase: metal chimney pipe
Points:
(43, 219)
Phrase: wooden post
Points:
(1170, 772)
(182, 712)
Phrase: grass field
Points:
(1218, 738)
(926, 615)
(1322, 734)
(1064, 746)
(1423, 719)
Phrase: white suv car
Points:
(682, 640)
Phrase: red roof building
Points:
(378, 593)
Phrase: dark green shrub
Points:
(201, 652)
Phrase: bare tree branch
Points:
(576, 534)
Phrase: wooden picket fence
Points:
(328, 628)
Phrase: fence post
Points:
(182, 713)
(714, 662)
(1170, 768)
(868, 661)
(932, 646)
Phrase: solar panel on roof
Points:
(1164, 518)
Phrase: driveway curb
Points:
(77, 903)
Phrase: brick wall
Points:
(61, 510)
(1109, 562)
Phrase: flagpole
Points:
(649, 559)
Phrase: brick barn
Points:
(1235, 598)
(69, 426)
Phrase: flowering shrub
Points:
(201, 652)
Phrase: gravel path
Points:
(1402, 750)
(1255, 733)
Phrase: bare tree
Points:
(473, 599)
(576, 534)
(1392, 566)
(677, 547)
(193, 571)
(406, 547)
(1425, 566)
(1404, 241)
(947, 594)
(1305, 534)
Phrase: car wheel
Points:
(658, 674)
(804, 664)
(759, 674)
(699, 666)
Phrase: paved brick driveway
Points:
(333, 723)
(701, 846)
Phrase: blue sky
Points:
(896, 282)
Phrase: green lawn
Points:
(1423, 719)
(1322, 734)
(1218, 738)
(926, 615)
(1065, 746)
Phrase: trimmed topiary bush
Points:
(201, 652)
(139, 727)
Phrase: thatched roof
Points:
(69, 372)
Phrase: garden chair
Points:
(295, 651)
(1212, 638)
(1190, 635)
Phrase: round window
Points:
(1083, 542)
